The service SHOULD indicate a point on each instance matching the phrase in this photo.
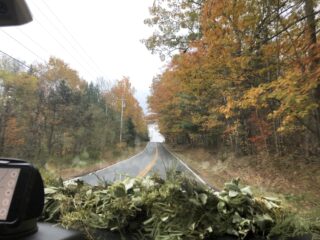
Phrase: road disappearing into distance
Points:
(154, 159)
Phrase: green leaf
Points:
(203, 197)
(263, 221)
(246, 190)
(233, 193)
(50, 190)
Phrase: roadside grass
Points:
(81, 165)
(292, 179)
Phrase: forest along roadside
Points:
(293, 179)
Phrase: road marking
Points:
(186, 166)
(122, 161)
(72, 180)
(150, 165)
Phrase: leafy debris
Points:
(173, 209)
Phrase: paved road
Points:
(154, 159)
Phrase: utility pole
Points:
(122, 107)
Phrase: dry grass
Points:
(295, 180)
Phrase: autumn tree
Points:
(175, 24)
(51, 113)
(124, 102)
(249, 81)
(16, 112)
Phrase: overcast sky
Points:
(96, 38)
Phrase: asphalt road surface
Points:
(155, 158)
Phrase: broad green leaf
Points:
(233, 193)
(203, 197)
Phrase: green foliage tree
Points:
(131, 134)
(175, 23)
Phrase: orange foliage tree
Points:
(51, 113)
(249, 81)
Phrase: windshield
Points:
(218, 90)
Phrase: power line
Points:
(61, 45)
(24, 46)
(74, 39)
(57, 29)
(36, 43)
(17, 60)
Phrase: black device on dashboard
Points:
(14, 12)
(21, 198)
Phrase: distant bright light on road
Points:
(154, 134)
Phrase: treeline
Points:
(244, 74)
(50, 112)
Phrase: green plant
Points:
(175, 208)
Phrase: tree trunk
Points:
(311, 37)
(276, 140)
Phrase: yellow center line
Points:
(150, 165)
